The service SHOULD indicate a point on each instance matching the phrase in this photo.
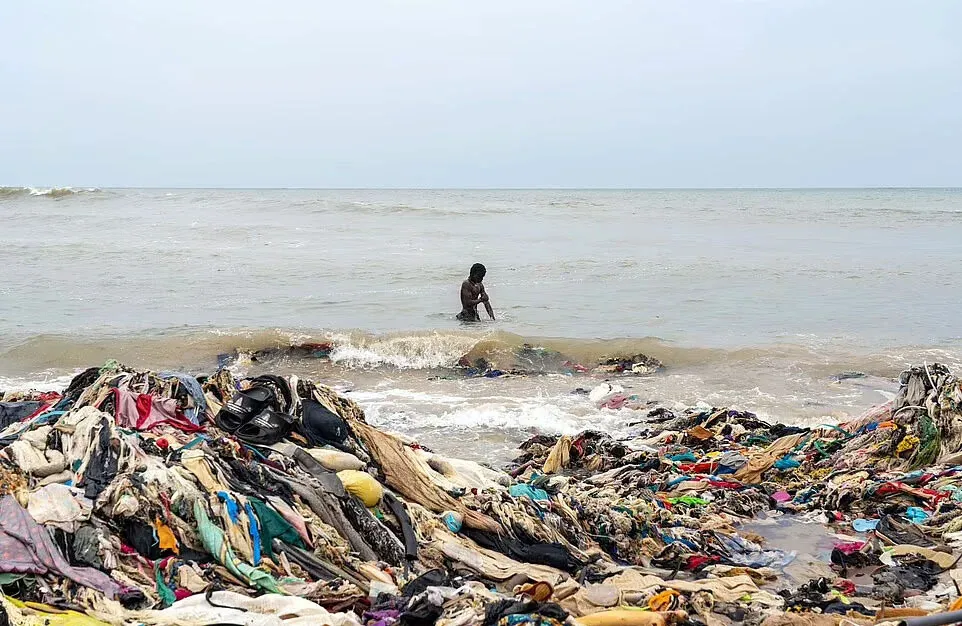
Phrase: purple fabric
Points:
(381, 618)
(26, 548)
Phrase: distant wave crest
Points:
(46, 192)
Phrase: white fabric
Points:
(59, 506)
(266, 610)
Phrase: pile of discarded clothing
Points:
(135, 497)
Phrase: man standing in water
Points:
(472, 294)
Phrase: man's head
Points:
(477, 273)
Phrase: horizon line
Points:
(299, 188)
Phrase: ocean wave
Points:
(46, 192)
(204, 349)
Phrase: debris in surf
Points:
(847, 376)
(530, 360)
(140, 498)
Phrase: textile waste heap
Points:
(135, 497)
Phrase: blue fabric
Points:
(916, 515)
(786, 463)
(196, 414)
(864, 525)
(677, 481)
(452, 522)
(684, 456)
(232, 509)
(255, 532)
(527, 490)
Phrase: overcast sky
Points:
(481, 93)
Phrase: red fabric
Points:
(181, 593)
(896, 487)
(144, 405)
(845, 586)
(696, 561)
(579, 445)
(724, 484)
(165, 501)
(49, 399)
(145, 412)
(849, 547)
(699, 468)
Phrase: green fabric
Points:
(930, 443)
(273, 525)
(9, 578)
(214, 542)
(689, 500)
(166, 595)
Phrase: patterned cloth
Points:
(26, 548)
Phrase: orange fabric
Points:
(166, 536)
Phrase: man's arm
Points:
(487, 304)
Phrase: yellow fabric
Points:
(36, 614)
(909, 442)
(664, 601)
(559, 457)
(362, 485)
(166, 536)
(762, 461)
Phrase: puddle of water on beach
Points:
(810, 540)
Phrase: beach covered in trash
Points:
(136, 497)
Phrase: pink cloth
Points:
(145, 411)
(615, 402)
(850, 547)
(781, 496)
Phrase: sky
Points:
(492, 93)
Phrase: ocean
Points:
(754, 299)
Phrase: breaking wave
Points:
(47, 192)
(201, 349)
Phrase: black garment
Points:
(421, 612)
(781, 430)
(544, 440)
(86, 548)
(552, 554)
(80, 382)
(102, 468)
(12, 412)
(430, 578)
(387, 547)
(920, 575)
(902, 532)
(840, 608)
(132, 598)
(407, 528)
(140, 537)
(321, 427)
